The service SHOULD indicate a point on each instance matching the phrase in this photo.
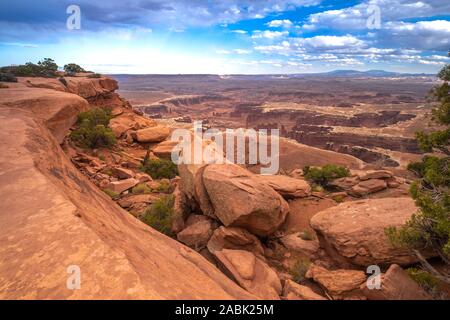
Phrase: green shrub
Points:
(113, 195)
(423, 279)
(159, 215)
(160, 168)
(7, 77)
(299, 270)
(141, 188)
(164, 187)
(306, 235)
(46, 68)
(95, 75)
(73, 68)
(92, 129)
(321, 176)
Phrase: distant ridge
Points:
(371, 73)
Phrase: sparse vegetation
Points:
(429, 228)
(299, 270)
(7, 77)
(113, 195)
(94, 75)
(141, 188)
(306, 235)
(159, 215)
(92, 129)
(71, 69)
(46, 68)
(322, 176)
(160, 168)
(165, 187)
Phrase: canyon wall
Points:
(52, 217)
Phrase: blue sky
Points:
(229, 36)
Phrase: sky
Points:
(228, 36)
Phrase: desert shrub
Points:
(45, 68)
(7, 77)
(72, 69)
(164, 187)
(112, 194)
(92, 129)
(159, 214)
(299, 270)
(306, 235)
(94, 75)
(160, 168)
(429, 228)
(3, 86)
(141, 188)
(321, 176)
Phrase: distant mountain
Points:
(370, 73)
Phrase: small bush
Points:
(306, 235)
(159, 215)
(94, 75)
(160, 169)
(425, 280)
(164, 187)
(321, 176)
(92, 130)
(141, 188)
(72, 69)
(299, 270)
(7, 77)
(113, 195)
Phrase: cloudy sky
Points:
(229, 36)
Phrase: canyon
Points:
(234, 233)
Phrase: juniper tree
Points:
(429, 228)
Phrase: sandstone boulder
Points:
(249, 272)
(122, 185)
(240, 200)
(344, 183)
(164, 149)
(396, 285)
(235, 238)
(295, 291)
(196, 235)
(286, 186)
(122, 173)
(355, 231)
(375, 174)
(340, 284)
(129, 121)
(293, 242)
(367, 187)
(152, 134)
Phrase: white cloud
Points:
(242, 51)
(268, 34)
(239, 31)
(280, 23)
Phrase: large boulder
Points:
(129, 121)
(340, 284)
(153, 134)
(354, 232)
(295, 291)
(197, 234)
(250, 272)
(241, 200)
(293, 242)
(286, 186)
(367, 187)
(164, 149)
(375, 174)
(237, 239)
(396, 285)
(122, 185)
